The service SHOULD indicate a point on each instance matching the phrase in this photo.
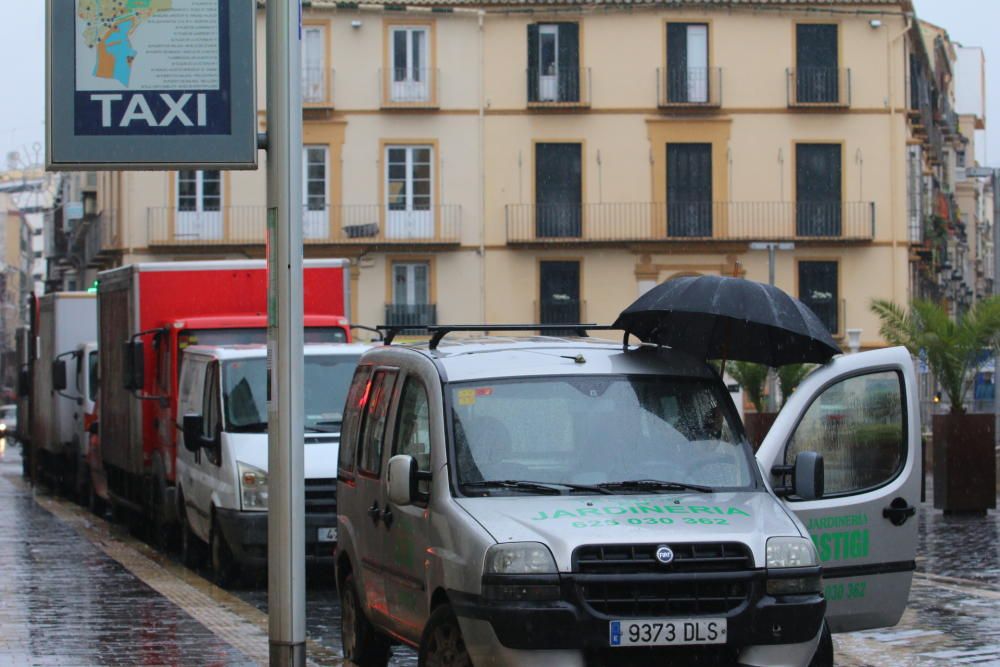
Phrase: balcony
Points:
(639, 222)
(558, 88)
(321, 225)
(818, 87)
(689, 88)
(408, 88)
(94, 239)
(317, 87)
(412, 316)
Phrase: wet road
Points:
(79, 591)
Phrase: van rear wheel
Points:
(442, 644)
(363, 645)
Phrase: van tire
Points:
(192, 548)
(441, 644)
(823, 657)
(225, 569)
(363, 644)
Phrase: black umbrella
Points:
(714, 317)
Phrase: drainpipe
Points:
(892, 144)
(482, 166)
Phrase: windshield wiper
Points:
(516, 484)
(524, 483)
(654, 484)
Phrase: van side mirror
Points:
(193, 426)
(402, 479)
(59, 375)
(808, 479)
(135, 365)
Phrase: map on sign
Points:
(151, 67)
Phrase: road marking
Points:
(240, 624)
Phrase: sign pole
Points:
(286, 417)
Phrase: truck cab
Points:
(222, 467)
(570, 501)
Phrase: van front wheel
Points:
(363, 645)
(442, 644)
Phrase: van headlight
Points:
(520, 558)
(253, 487)
(786, 557)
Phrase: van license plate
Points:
(675, 632)
(327, 534)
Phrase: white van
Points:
(549, 501)
(222, 468)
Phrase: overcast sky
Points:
(22, 50)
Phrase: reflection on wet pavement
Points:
(63, 601)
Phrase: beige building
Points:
(529, 161)
(15, 260)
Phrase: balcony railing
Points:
(560, 87)
(349, 225)
(686, 87)
(412, 316)
(408, 88)
(811, 87)
(690, 221)
(317, 86)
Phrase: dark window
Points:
(554, 62)
(357, 401)
(817, 78)
(818, 290)
(687, 62)
(212, 423)
(558, 190)
(560, 292)
(857, 425)
(818, 189)
(413, 429)
(373, 430)
(689, 190)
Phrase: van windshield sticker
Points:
(467, 397)
(640, 509)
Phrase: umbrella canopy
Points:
(714, 317)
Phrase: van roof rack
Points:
(438, 332)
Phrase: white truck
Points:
(222, 468)
(66, 320)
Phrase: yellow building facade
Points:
(524, 162)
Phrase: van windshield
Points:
(327, 378)
(617, 433)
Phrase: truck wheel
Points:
(192, 549)
(824, 651)
(363, 645)
(225, 570)
(441, 644)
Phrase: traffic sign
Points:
(151, 84)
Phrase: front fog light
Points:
(253, 487)
(519, 558)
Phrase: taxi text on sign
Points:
(151, 84)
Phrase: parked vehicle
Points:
(8, 420)
(222, 485)
(65, 321)
(547, 501)
(26, 350)
(85, 387)
(149, 314)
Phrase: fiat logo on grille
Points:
(664, 554)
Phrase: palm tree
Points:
(751, 377)
(951, 346)
(790, 376)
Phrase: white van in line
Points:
(222, 468)
(550, 501)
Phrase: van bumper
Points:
(570, 623)
(246, 535)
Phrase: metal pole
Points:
(772, 251)
(286, 512)
(772, 385)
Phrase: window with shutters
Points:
(409, 79)
(817, 77)
(558, 190)
(315, 76)
(554, 73)
(689, 190)
(687, 76)
(818, 190)
(559, 286)
(818, 289)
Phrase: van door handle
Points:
(387, 516)
(899, 511)
(374, 512)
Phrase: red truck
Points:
(147, 314)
